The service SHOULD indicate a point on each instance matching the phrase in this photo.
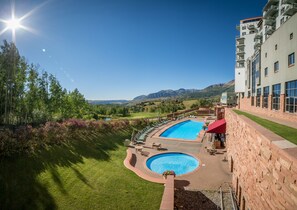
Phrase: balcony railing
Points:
(258, 36)
(238, 37)
(271, 11)
(257, 44)
(240, 52)
(290, 10)
(269, 22)
(251, 27)
(289, 1)
(269, 3)
(240, 45)
(240, 59)
(269, 30)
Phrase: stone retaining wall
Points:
(264, 165)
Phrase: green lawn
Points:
(143, 115)
(281, 130)
(189, 103)
(86, 174)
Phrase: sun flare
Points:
(13, 24)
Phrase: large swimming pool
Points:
(180, 163)
(187, 130)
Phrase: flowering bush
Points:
(27, 139)
(168, 172)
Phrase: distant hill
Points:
(210, 91)
(100, 102)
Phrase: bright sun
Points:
(13, 24)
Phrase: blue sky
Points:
(119, 49)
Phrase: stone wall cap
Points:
(284, 144)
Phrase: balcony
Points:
(240, 52)
(269, 3)
(269, 22)
(251, 27)
(240, 59)
(240, 45)
(258, 44)
(271, 11)
(291, 9)
(289, 1)
(258, 36)
(240, 65)
(269, 30)
(239, 39)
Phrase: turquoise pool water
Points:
(187, 130)
(178, 162)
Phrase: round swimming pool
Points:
(180, 163)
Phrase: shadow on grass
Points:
(19, 187)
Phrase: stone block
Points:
(294, 187)
(275, 174)
(266, 153)
(285, 163)
(294, 198)
(277, 165)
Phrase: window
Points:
(266, 72)
(291, 96)
(244, 33)
(265, 55)
(276, 67)
(282, 11)
(276, 96)
(265, 97)
(243, 27)
(291, 59)
(258, 101)
(291, 36)
(275, 47)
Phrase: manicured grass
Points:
(281, 130)
(86, 174)
(143, 115)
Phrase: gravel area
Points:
(196, 200)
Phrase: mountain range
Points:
(210, 91)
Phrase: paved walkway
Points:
(274, 119)
(211, 174)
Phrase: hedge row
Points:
(27, 139)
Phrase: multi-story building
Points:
(244, 49)
(270, 84)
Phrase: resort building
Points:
(244, 49)
(228, 99)
(264, 164)
(269, 81)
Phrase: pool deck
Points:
(212, 172)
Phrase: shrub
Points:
(168, 172)
(26, 139)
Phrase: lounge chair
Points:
(145, 153)
(155, 145)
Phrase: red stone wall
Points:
(264, 175)
(245, 105)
